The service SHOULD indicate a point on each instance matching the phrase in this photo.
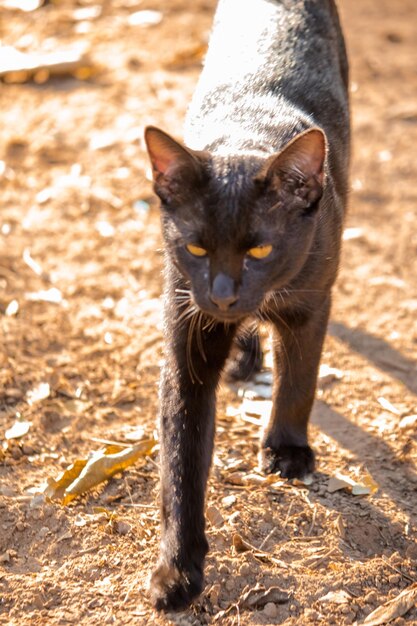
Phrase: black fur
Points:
(266, 164)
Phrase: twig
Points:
(109, 442)
(148, 458)
(267, 537)
(313, 521)
(129, 493)
(322, 558)
(138, 505)
(288, 514)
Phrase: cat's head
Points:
(237, 227)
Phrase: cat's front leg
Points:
(298, 342)
(194, 359)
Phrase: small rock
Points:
(230, 584)
(14, 393)
(270, 610)
(214, 594)
(224, 570)
(245, 569)
(411, 551)
(122, 528)
(234, 518)
(16, 453)
(371, 597)
(28, 450)
(394, 579)
(229, 501)
(310, 614)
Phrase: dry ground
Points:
(72, 170)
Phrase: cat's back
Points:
(273, 68)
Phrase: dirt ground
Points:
(81, 340)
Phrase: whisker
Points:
(199, 337)
(191, 369)
(183, 291)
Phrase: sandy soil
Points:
(80, 314)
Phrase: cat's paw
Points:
(172, 589)
(289, 461)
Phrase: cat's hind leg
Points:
(247, 357)
(298, 344)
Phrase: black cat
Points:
(252, 215)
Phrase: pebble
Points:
(312, 615)
(16, 453)
(394, 579)
(270, 610)
(28, 450)
(411, 551)
(224, 570)
(371, 597)
(43, 531)
(230, 584)
(245, 569)
(234, 518)
(123, 528)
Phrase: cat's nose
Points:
(223, 291)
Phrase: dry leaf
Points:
(352, 233)
(338, 597)
(18, 67)
(328, 375)
(397, 607)
(229, 501)
(145, 18)
(84, 474)
(12, 308)
(386, 404)
(408, 421)
(52, 295)
(55, 489)
(38, 393)
(255, 391)
(214, 516)
(340, 481)
(19, 429)
(240, 545)
(5, 557)
(22, 5)
(258, 597)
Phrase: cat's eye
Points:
(260, 252)
(196, 250)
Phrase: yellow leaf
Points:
(103, 466)
(55, 488)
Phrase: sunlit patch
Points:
(260, 252)
(196, 250)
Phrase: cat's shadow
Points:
(395, 476)
(378, 351)
(369, 450)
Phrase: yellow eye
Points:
(260, 252)
(196, 250)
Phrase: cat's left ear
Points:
(299, 167)
(176, 168)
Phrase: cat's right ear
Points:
(299, 167)
(176, 169)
